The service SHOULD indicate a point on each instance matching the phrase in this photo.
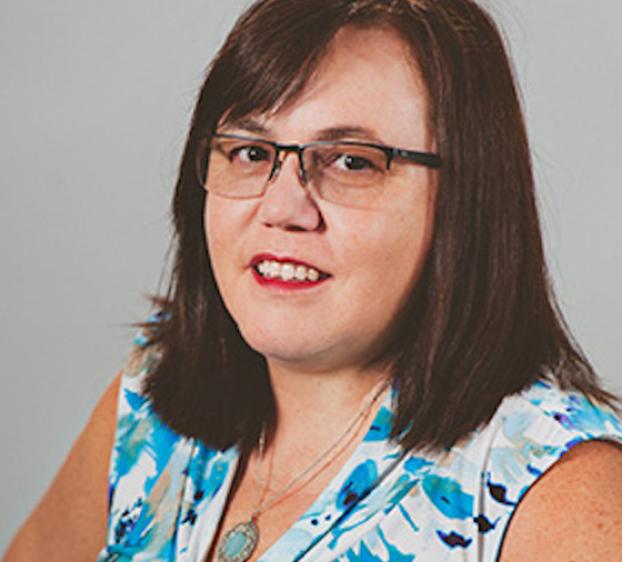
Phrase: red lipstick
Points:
(278, 282)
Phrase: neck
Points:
(313, 407)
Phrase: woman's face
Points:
(372, 255)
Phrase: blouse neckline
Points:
(367, 469)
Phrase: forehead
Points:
(368, 79)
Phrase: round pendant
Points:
(239, 543)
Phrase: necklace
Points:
(239, 542)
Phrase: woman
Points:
(359, 357)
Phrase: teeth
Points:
(274, 270)
(287, 271)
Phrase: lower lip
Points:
(292, 285)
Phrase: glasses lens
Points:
(235, 168)
(347, 174)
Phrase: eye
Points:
(247, 154)
(353, 163)
(347, 163)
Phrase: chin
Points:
(278, 348)
(284, 348)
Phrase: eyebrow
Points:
(247, 124)
(338, 132)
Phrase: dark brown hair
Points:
(481, 323)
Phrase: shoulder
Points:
(133, 402)
(574, 511)
(122, 440)
(533, 430)
(539, 426)
(552, 470)
(75, 504)
(149, 461)
(141, 439)
(569, 410)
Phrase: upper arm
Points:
(70, 521)
(573, 512)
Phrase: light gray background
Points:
(94, 102)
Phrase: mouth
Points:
(286, 270)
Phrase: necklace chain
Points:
(239, 543)
(261, 507)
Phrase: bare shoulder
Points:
(70, 521)
(573, 512)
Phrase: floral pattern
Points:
(168, 492)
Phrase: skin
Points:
(573, 513)
(317, 341)
(315, 345)
(69, 523)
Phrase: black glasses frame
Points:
(428, 159)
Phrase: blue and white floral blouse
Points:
(168, 492)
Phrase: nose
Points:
(287, 204)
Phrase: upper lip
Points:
(258, 258)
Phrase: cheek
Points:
(398, 243)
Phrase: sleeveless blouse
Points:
(168, 492)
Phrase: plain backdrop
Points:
(95, 98)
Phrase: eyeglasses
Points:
(344, 172)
